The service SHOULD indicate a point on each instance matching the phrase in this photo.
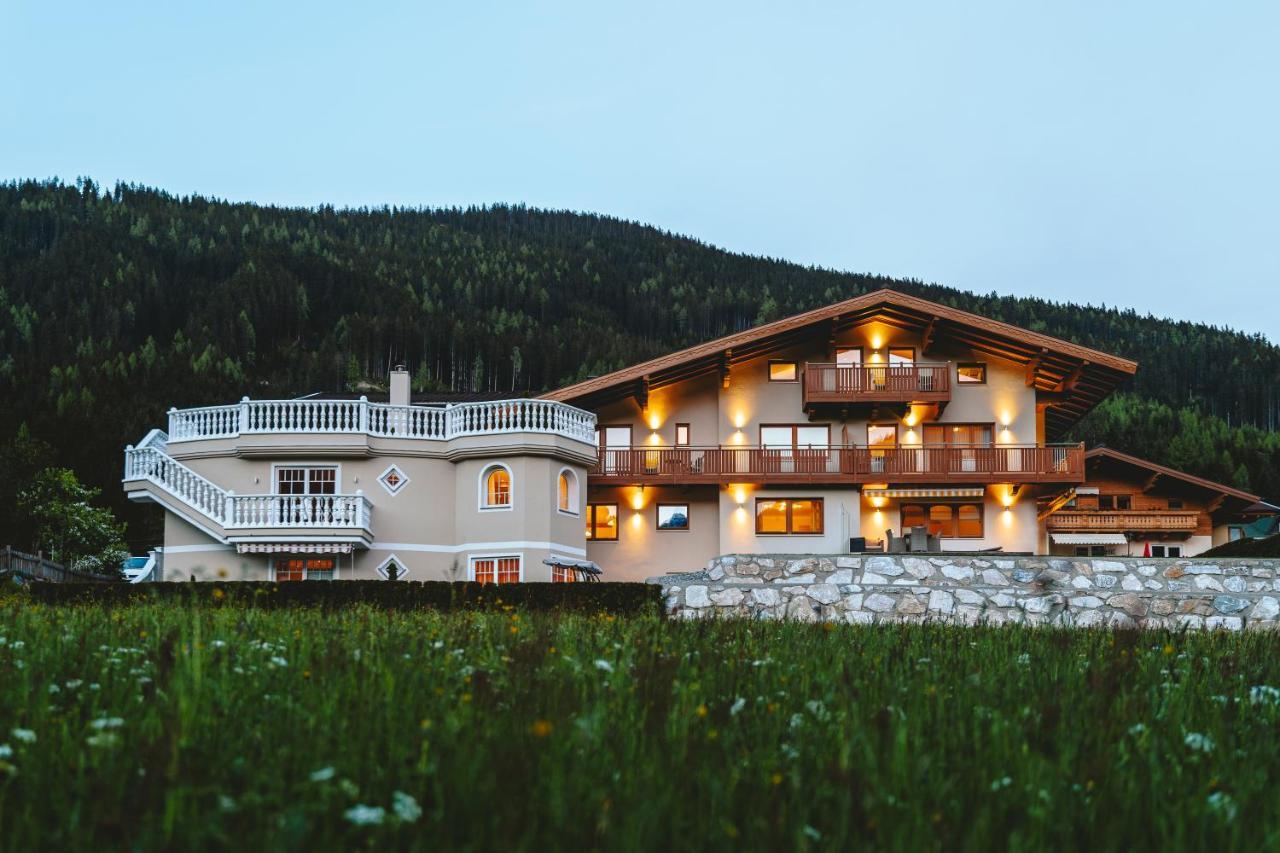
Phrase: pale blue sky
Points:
(1126, 153)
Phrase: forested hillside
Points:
(115, 305)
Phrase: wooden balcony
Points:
(1062, 463)
(1119, 521)
(839, 384)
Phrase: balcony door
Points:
(795, 448)
(614, 443)
(305, 493)
(882, 439)
(962, 445)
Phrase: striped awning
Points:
(1088, 538)
(293, 547)
(923, 493)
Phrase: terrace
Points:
(841, 384)
(1122, 521)
(1006, 463)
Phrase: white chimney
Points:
(399, 386)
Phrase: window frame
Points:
(308, 467)
(795, 432)
(602, 431)
(472, 559)
(791, 501)
(888, 356)
(483, 497)
(573, 496)
(593, 526)
(688, 435)
(657, 518)
(835, 356)
(795, 369)
(306, 568)
(955, 506)
(961, 365)
(949, 427)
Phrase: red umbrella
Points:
(1146, 549)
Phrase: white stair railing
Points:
(232, 511)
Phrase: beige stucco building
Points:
(830, 431)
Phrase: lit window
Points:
(682, 435)
(901, 356)
(849, 357)
(299, 568)
(788, 515)
(942, 520)
(783, 371)
(673, 516)
(496, 569)
(948, 521)
(602, 522)
(567, 492)
(563, 574)
(971, 374)
(306, 481)
(497, 488)
(969, 522)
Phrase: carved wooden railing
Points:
(1119, 520)
(849, 383)
(999, 463)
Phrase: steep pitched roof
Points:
(1098, 453)
(1080, 376)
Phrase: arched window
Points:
(495, 488)
(567, 492)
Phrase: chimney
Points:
(399, 386)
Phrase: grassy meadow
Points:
(162, 727)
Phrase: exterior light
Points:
(739, 420)
(654, 421)
(637, 503)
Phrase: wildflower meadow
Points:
(163, 727)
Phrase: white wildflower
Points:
(24, 735)
(17, 644)
(604, 666)
(6, 751)
(1002, 782)
(276, 660)
(73, 684)
(324, 774)
(737, 706)
(103, 739)
(362, 815)
(1264, 693)
(219, 644)
(107, 723)
(53, 688)
(1024, 658)
(1137, 729)
(405, 807)
(1198, 742)
(812, 833)
(1220, 803)
(225, 803)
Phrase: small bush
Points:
(1258, 549)
(434, 595)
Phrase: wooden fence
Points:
(36, 567)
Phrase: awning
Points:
(568, 563)
(293, 547)
(1088, 538)
(924, 493)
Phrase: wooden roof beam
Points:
(1033, 367)
(927, 339)
(1151, 482)
(1069, 382)
(726, 368)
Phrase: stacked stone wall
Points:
(1231, 594)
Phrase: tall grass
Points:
(162, 727)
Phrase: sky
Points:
(1125, 154)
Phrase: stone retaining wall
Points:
(1224, 593)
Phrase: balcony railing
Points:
(1183, 521)
(851, 463)
(441, 423)
(840, 383)
(243, 512)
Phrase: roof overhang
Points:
(1069, 379)
(1219, 495)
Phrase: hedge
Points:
(617, 598)
(1259, 549)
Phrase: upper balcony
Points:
(1005, 463)
(256, 426)
(845, 384)
(1124, 521)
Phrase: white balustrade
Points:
(232, 511)
(382, 420)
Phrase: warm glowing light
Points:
(878, 502)
(654, 421)
(910, 419)
(876, 341)
(740, 496)
(637, 502)
(910, 437)
(879, 518)
(1006, 418)
(740, 514)
(739, 420)
(1007, 517)
(637, 519)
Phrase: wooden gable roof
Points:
(1153, 472)
(1069, 379)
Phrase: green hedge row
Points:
(615, 598)
(1259, 549)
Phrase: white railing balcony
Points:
(439, 423)
(244, 512)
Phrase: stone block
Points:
(879, 603)
(941, 601)
(696, 596)
(824, 593)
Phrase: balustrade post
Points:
(364, 413)
(243, 422)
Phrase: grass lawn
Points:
(156, 726)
